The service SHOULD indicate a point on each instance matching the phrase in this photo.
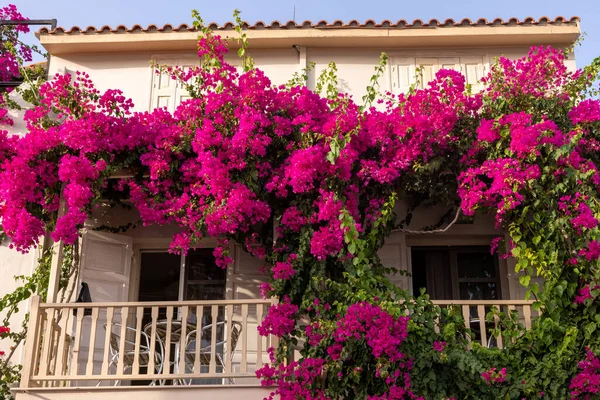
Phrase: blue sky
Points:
(144, 12)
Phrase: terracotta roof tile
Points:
(369, 24)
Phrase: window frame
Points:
(451, 252)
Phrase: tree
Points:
(309, 183)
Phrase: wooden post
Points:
(57, 260)
(30, 343)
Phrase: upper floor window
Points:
(456, 273)
(406, 71)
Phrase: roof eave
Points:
(455, 36)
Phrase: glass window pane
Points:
(476, 265)
(201, 266)
(478, 291)
(205, 280)
(159, 276)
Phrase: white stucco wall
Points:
(13, 263)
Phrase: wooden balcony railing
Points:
(178, 343)
(167, 343)
(474, 314)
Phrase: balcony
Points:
(99, 350)
(195, 349)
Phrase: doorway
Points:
(169, 277)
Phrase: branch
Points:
(441, 230)
(20, 336)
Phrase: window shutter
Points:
(167, 92)
(163, 91)
(428, 66)
(181, 93)
(106, 265)
(402, 74)
(472, 68)
(450, 63)
(106, 268)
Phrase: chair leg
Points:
(220, 359)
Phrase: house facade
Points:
(138, 288)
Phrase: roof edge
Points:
(354, 24)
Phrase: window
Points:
(456, 273)
(161, 272)
(404, 70)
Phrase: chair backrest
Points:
(206, 332)
(236, 331)
(115, 338)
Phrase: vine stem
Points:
(441, 230)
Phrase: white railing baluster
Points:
(527, 316)
(90, 362)
(122, 339)
(168, 331)
(213, 340)
(182, 339)
(482, 330)
(107, 335)
(244, 364)
(135, 368)
(153, 339)
(62, 359)
(46, 356)
(259, 340)
(228, 337)
(77, 345)
(199, 326)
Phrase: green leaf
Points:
(524, 280)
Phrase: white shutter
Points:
(472, 69)
(106, 265)
(428, 67)
(167, 92)
(402, 74)
(450, 63)
(163, 91)
(106, 268)
(181, 94)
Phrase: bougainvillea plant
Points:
(309, 183)
(13, 56)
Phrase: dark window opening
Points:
(456, 273)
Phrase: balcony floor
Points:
(204, 392)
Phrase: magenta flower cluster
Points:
(492, 376)
(383, 333)
(280, 319)
(586, 384)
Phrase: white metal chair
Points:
(206, 349)
(144, 355)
